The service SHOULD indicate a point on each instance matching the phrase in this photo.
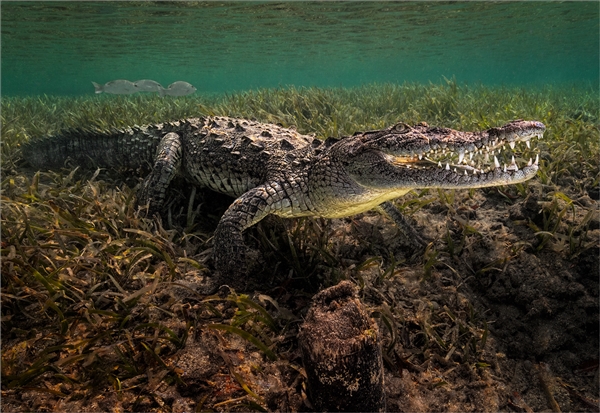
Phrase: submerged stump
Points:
(341, 353)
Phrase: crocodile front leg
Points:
(230, 253)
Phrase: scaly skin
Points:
(273, 170)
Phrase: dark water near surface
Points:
(60, 47)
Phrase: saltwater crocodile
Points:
(270, 169)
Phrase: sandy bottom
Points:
(487, 319)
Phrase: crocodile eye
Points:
(401, 128)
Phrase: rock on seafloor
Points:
(341, 352)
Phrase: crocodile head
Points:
(402, 157)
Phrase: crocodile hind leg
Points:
(404, 226)
(167, 164)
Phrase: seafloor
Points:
(100, 308)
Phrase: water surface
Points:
(60, 47)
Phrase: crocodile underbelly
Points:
(224, 181)
(340, 208)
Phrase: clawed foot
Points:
(234, 262)
(419, 241)
(146, 202)
(215, 285)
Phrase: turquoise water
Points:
(60, 47)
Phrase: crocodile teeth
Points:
(537, 158)
(512, 145)
(496, 163)
(504, 167)
(470, 155)
(465, 172)
(448, 166)
(461, 156)
(528, 144)
(440, 164)
(420, 156)
(530, 162)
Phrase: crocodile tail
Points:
(128, 148)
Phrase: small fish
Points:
(116, 87)
(147, 85)
(178, 88)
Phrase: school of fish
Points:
(126, 87)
